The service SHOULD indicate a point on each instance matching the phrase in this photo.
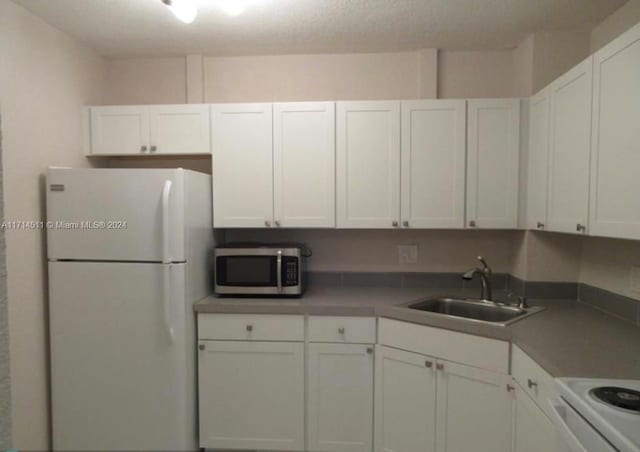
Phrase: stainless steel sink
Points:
(475, 309)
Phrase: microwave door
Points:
(248, 274)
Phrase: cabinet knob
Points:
(405, 224)
(472, 224)
(249, 328)
(341, 330)
(201, 347)
(532, 384)
(153, 148)
(277, 223)
(440, 366)
(581, 227)
(267, 223)
(510, 388)
(540, 225)
(369, 350)
(143, 148)
(428, 364)
(394, 224)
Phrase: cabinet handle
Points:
(440, 366)
(472, 224)
(532, 384)
(277, 223)
(249, 328)
(581, 227)
(540, 225)
(201, 347)
(267, 223)
(369, 350)
(405, 224)
(510, 388)
(143, 148)
(395, 224)
(153, 148)
(340, 330)
(428, 364)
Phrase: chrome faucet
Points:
(485, 278)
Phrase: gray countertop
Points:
(568, 339)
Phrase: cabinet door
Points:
(433, 163)
(242, 165)
(538, 160)
(533, 431)
(340, 400)
(304, 164)
(614, 209)
(474, 409)
(251, 395)
(179, 129)
(368, 164)
(493, 163)
(405, 403)
(119, 130)
(568, 185)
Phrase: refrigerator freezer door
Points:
(115, 214)
(119, 380)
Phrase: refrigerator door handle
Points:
(166, 192)
(166, 260)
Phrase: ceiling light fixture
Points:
(184, 10)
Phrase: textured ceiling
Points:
(122, 28)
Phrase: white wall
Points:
(618, 22)
(45, 79)
(463, 73)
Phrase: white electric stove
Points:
(595, 415)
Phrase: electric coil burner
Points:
(623, 398)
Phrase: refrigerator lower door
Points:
(122, 357)
(116, 214)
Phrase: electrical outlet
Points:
(408, 254)
(635, 279)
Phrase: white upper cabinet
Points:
(119, 130)
(615, 159)
(148, 130)
(368, 164)
(570, 138)
(242, 165)
(179, 129)
(493, 163)
(474, 409)
(539, 110)
(304, 164)
(433, 163)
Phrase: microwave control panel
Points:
(290, 271)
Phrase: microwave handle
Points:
(279, 271)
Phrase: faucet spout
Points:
(485, 278)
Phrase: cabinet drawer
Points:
(250, 327)
(357, 330)
(476, 351)
(534, 379)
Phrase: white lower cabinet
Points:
(533, 431)
(251, 395)
(340, 397)
(405, 402)
(474, 409)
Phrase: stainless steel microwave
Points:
(258, 270)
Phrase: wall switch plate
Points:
(635, 279)
(408, 254)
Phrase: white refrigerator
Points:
(129, 252)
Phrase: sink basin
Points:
(474, 309)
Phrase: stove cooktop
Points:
(611, 406)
